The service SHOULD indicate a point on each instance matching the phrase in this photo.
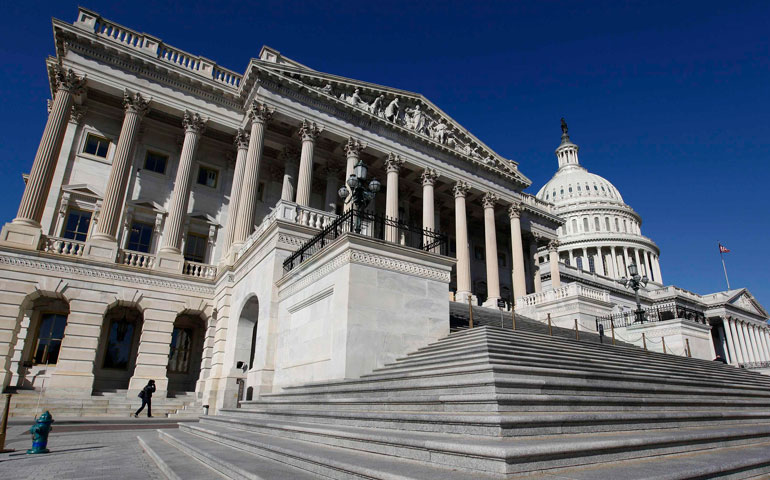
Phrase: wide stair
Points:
(114, 403)
(488, 403)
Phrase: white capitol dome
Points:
(601, 233)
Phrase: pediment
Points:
(84, 190)
(745, 301)
(408, 112)
(148, 205)
(204, 217)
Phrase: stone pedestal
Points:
(98, 249)
(19, 235)
(171, 262)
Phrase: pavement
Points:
(83, 448)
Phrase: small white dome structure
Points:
(601, 233)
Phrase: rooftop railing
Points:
(657, 313)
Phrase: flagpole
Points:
(721, 255)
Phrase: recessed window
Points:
(195, 248)
(155, 162)
(76, 227)
(607, 223)
(49, 337)
(591, 265)
(96, 145)
(578, 188)
(597, 226)
(574, 226)
(579, 261)
(120, 340)
(585, 224)
(140, 237)
(208, 176)
(181, 350)
(596, 188)
(617, 225)
(570, 189)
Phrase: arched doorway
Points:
(42, 329)
(118, 346)
(246, 336)
(185, 353)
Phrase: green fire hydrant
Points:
(40, 431)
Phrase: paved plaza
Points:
(83, 451)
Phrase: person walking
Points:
(146, 396)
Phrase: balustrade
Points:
(199, 270)
(136, 259)
(63, 246)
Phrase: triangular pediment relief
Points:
(746, 301)
(408, 112)
(84, 190)
(148, 205)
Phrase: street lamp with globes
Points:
(359, 191)
(635, 283)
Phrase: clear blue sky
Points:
(670, 101)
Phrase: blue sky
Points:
(670, 101)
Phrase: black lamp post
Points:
(635, 283)
(361, 191)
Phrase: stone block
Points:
(21, 236)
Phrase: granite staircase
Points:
(488, 403)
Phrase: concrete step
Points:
(172, 462)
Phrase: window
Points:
(570, 189)
(617, 225)
(76, 227)
(578, 188)
(96, 145)
(207, 176)
(478, 253)
(155, 162)
(607, 223)
(181, 350)
(597, 225)
(501, 260)
(119, 343)
(591, 265)
(579, 263)
(585, 224)
(574, 226)
(140, 237)
(195, 248)
(49, 337)
(625, 226)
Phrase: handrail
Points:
(657, 313)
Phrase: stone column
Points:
(571, 256)
(755, 343)
(352, 151)
(760, 343)
(393, 164)
(153, 350)
(535, 262)
(517, 248)
(727, 339)
(309, 131)
(745, 344)
(332, 185)
(242, 144)
(490, 245)
(460, 190)
(656, 265)
(290, 171)
(553, 261)
(260, 114)
(429, 177)
(627, 260)
(639, 264)
(732, 340)
(170, 254)
(114, 195)
(763, 340)
(25, 230)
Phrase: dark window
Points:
(579, 263)
(49, 337)
(96, 145)
(195, 248)
(77, 224)
(119, 343)
(155, 162)
(207, 176)
(597, 226)
(181, 349)
(140, 237)
(585, 224)
(591, 265)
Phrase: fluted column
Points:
(290, 171)
(68, 84)
(755, 342)
(194, 125)
(627, 260)
(109, 216)
(732, 357)
(352, 152)
(260, 114)
(429, 177)
(553, 261)
(242, 144)
(309, 131)
(537, 283)
(332, 185)
(460, 190)
(517, 249)
(490, 245)
(745, 344)
(760, 343)
(732, 333)
(763, 339)
(639, 264)
(658, 275)
(393, 164)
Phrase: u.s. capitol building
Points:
(183, 222)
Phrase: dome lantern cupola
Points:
(567, 153)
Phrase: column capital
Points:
(429, 177)
(193, 122)
(393, 163)
(260, 112)
(537, 237)
(553, 246)
(68, 80)
(514, 211)
(135, 103)
(460, 189)
(489, 200)
(241, 140)
(77, 113)
(309, 131)
(353, 147)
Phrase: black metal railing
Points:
(653, 314)
(374, 226)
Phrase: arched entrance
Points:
(41, 332)
(118, 346)
(246, 337)
(185, 353)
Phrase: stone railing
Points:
(755, 365)
(536, 202)
(136, 259)
(63, 246)
(150, 45)
(199, 270)
(310, 217)
(567, 291)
